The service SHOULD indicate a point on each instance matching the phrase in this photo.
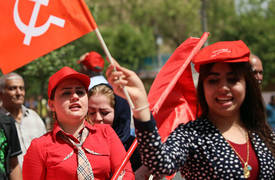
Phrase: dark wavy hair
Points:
(253, 114)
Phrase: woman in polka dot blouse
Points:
(229, 140)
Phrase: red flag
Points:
(32, 28)
(172, 96)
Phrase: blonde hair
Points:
(105, 90)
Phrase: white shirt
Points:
(30, 127)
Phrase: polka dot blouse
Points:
(198, 151)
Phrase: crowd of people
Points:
(231, 138)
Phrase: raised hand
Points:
(122, 77)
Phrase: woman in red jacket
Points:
(74, 149)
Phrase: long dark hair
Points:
(253, 114)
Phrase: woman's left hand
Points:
(125, 78)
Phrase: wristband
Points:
(141, 108)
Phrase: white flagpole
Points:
(108, 54)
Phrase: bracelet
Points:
(141, 108)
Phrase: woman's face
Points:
(100, 109)
(70, 102)
(224, 91)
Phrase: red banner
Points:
(33, 28)
(172, 96)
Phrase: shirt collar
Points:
(3, 110)
(57, 129)
(25, 111)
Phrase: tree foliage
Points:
(130, 28)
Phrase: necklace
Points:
(246, 168)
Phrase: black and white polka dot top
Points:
(198, 151)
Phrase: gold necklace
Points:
(247, 168)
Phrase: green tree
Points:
(130, 27)
(173, 20)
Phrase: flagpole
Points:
(109, 57)
(103, 45)
(126, 159)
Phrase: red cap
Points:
(93, 61)
(64, 73)
(224, 51)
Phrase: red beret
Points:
(93, 61)
(64, 73)
(224, 51)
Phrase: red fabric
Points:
(93, 61)
(74, 20)
(173, 92)
(45, 156)
(67, 72)
(224, 51)
(253, 160)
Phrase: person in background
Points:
(28, 123)
(10, 149)
(74, 149)
(229, 140)
(107, 108)
(257, 67)
(92, 64)
(270, 109)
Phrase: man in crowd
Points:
(257, 67)
(28, 123)
(10, 149)
(91, 63)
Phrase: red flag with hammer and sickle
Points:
(33, 28)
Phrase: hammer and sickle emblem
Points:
(30, 30)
